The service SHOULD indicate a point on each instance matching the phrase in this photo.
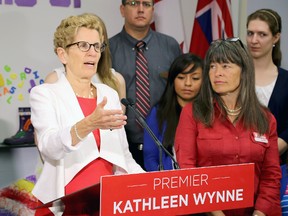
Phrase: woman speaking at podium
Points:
(79, 124)
(226, 124)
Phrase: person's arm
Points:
(282, 146)
(45, 118)
(150, 148)
(268, 193)
(258, 213)
(100, 118)
(52, 77)
(279, 110)
(216, 213)
(46, 125)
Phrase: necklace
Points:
(232, 112)
(91, 94)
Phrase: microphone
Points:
(131, 101)
(129, 104)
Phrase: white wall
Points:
(281, 6)
(26, 40)
(247, 7)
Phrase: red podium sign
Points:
(178, 192)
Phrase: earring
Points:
(273, 45)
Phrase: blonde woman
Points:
(79, 124)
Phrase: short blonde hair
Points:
(65, 35)
(67, 30)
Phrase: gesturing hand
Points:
(106, 119)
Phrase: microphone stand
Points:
(129, 104)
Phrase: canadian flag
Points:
(212, 21)
(168, 20)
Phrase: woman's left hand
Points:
(106, 119)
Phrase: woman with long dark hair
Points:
(226, 124)
(183, 84)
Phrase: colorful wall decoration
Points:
(15, 85)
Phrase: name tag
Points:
(260, 138)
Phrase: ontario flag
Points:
(168, 20)
(212, 21)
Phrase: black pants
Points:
(136, 150)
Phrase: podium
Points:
(173, 192)
(85, 201)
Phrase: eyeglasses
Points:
(85, 46)
(135, 4)
(233, 39)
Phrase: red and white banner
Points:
(213, 20)
(168, 20)
(178, 192)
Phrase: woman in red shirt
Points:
(226, 125)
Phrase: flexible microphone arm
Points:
(129, 104)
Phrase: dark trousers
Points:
(136, 150)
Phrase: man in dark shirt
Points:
(160, 51)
